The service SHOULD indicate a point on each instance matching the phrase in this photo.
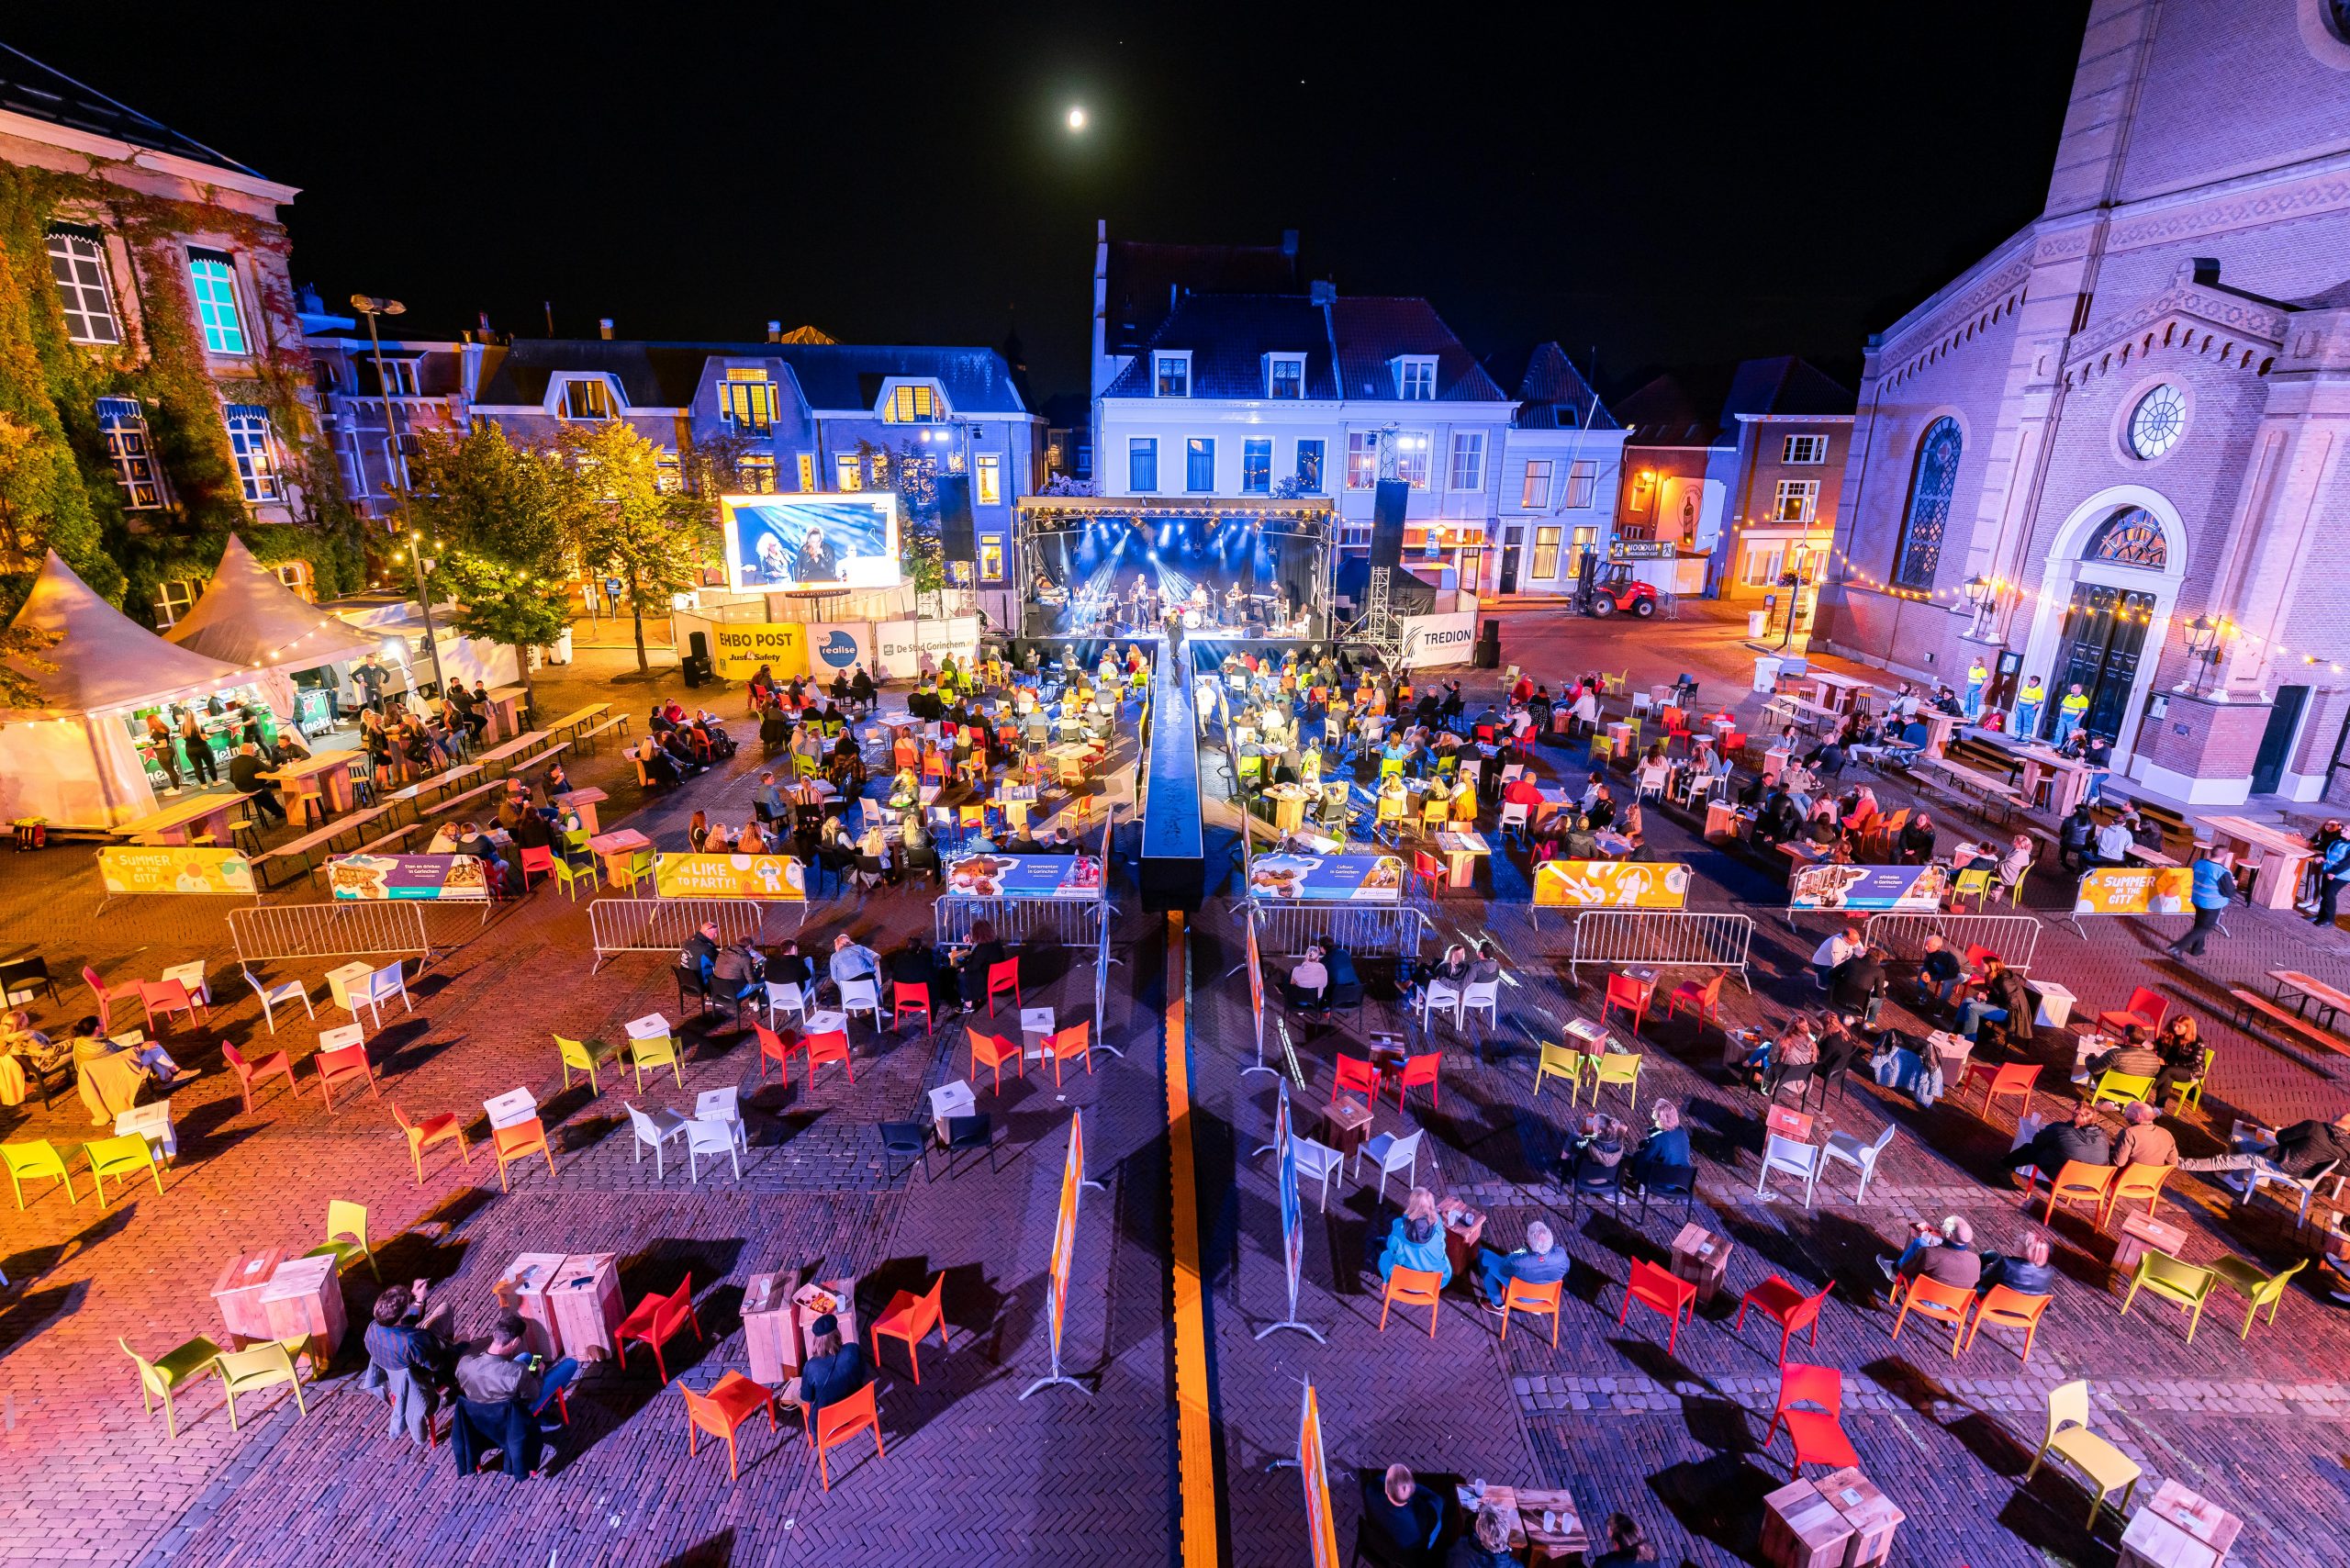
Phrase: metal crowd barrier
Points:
(343, 929)
(1683, 938)
(1366, 930)
(2015, 938)
(661, 925)
(1067, 923)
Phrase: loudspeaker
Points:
(955, 535)
(696, 665)
(697, 645)
(1489, 646)
(1387, 522)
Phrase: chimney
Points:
(1289, 243)
(775, 332)
(482, 317)
(1321, 291)
(604, 328)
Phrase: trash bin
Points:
(559, 652)
(1766, 672)
(1755, 621)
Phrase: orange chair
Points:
(910, 1317)
(1931, 1298)
(994, 1051)
(1521, 1295)
(1817, 1434)
(168, 997)
(2131, 1182)
(841, 1420)
(1412, 1287)
(1422, 1069)
(2076, 1183)
(1629, 994)
(912, 998)
(280, 1065)
(2146, 1007)
(1704, 999)
(2007, 1309)
(1788, 1308)
(655, 1320)
(1354, 1073)
(830, 1045)
(347, 1065)
(732, 1400)
(1654, 1287)
(772, 1048)
(1076, 1040)
(517, 1142)
(1002, 978)
(2015, 1078)
(431, 1130)
(540, 860)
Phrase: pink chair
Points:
(167, 997)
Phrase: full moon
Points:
(1077, 119)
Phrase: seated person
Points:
(502, 1369)
(985, 953)
(913, 964)
(738, 971)
(1914, 846)
(1346, 987)
(1599, 1146)
(2027, 1274)
(1309, 980)
(1538, 1262)
(1487, 1543)
(2134, 1056)
(2299, 1151)
(1666, 1148)
(1856, 983)
(1829, 955)
(1403, 1517)
(1944, 1254)
(835, 1370)
(1415, 1239)
(2004, 999)
(2141, 1141)
(1895, 1066)
(2080, 1139)
(1939, 971)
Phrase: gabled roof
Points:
(669, 375)
(1373, 331)
(1783, 384)
(248, 617)
(39, 92)
(1229, 336)
(1145, 280)
(1550, 382)
(1663, 413)
(105, 660)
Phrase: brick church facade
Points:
(2112, 452)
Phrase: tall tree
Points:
(496, 512)
(624, 518)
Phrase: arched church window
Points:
(2130, 538)
(1931, 488)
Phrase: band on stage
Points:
(1141, 605)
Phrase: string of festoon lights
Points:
(2224, 629)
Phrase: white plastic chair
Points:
(283, 990)
(1860, 1157)
(1393, 1154)
(1783, 1153)
(784, 995)
(1480, 994)
(653, 1131)
(1316, 1160)
(1513, 816)
(862, 996)
(722, 1106)
(1511, 771)
(710, 1136)
(1441, 993)
(2305, 1186)
(379, 987)
(1654, 776)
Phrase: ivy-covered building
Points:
(155, 391)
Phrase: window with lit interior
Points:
(587, 400)
(123, 422)
(255, 446)
(78, 262)
(1285, 376)
(212, 279)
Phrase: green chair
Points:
(656, 1051)
(2191, 1092)
(639, 869)
(586, 1056)
(241, 1372)
(2122, 1088)
(571, 876)
(2257, 1288)
(2182, 1283)
(124, 1156)
(1559, 1062)
(36, 1156)
(1616, 1067)
(345, 1218)
(162, 1376)
(575, 846)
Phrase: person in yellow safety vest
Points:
(2070, 711)
(1977, 678)
(2028, 705)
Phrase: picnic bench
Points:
(517, 747)
(2291, 1026)
(453, 801)
(390, 843)
(578, 718)
(1964, 781)
(539, 761)
(414, 794)
(586, 739)
(314, 839)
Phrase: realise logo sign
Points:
(839, 650)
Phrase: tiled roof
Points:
(1229, 335)
(831, 375)
(1552, 383)
(1783, 384)
(27, 87)
(1146, 280)
(1663, 413)
(1373, 331)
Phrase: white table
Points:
(512, 1108)
(342, 1034)
(152, 1123)
(1036, 1028)
(827, 1022)
(954, 1099)
(191, 976)
(340, 982)
(2055, 1004)
(652, 1026)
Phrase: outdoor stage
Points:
(1097, 568)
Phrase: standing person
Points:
(1977, 678)
(2214, 889)
(368, 678)
(2070, 711)
(200, 760)
(2028, 703)
(2331, 869)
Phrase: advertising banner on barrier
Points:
(1292, 1209)
(1610, 884)
(776, 879)
(1904, 890)
(447, 877)
(1065, 1230)
(2134, 890)
(1322, 1530)
(837, 647)
(1327, 879)
(173, 869)
(1257, 997)
(899, 643)
(738, 650)
(1434, 640)
(1024, 877)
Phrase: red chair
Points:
(1002, 978)
(1358, 1074)
(1788, 1308)
(1733, 743)
(732, 1400)
(168, 997)
(910, 1317)
(1653, 1287)
(2014, 1079)
(1412, 1287)
(280, 1065)
(1817, 1434)
(655, 1320)
(774, 1048)
(1076, 1040)
(108, 996)
(540, 860)
(1429, 871)
(830, 1045)
(1703, 1000)
(1629, 994)
(2146, 1007)
(912, 998)
(1422, 1069)
(345, 1065)
(994, 1051)
(841, 1420)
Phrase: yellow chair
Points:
(1632, 723)
(124, 1156)
(2136, 1181)
(2182, 1283)
(241, 1372)
(1613, 685)
(1560, 1061)
(1390, 814)
(36, 1156)
(2257, 1288)
(638, 870)
(586, 1056)
(2104, 1466)
(1975, 880)
(655, 1051)
(1436, 813)
(345, 1218)
(163, 1375)
(2191, 1092)
(2122, 1088)
(1602, 749)
(1616, 1067)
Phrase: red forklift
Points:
(1609, 588)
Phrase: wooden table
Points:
(1871, 1514)
(414, 793)
(1803, 1529)
(304, 1300)
(585, 1301)
(1836, 692)
(506, 712)
(2282, 856)
(2140, 1236)
(584, 802)
(320, 837)
(770, 1329)
(2069, 777)
(330, 770)
(2331, 1002)
(1556, 797)
(1524, 1507)
(1701, 1257)
(237, 1294)
(1939, 728)
(524, 1288)
(2151, 856)
(1461, 846)
(203, 816)
(616, 850)
(2177, 1530)
(579, 719)
(1346, 1122)
(512, 749)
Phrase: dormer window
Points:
(746, 401)
(587, 400)
(912, 405)
(1285, 376)
(1171, 375)
(1416, 378)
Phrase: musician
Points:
(1200, 604)
(1233, 614)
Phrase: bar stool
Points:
(246, 834)
(311, 800)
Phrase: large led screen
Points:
(791, 541)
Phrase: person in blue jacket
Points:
(2214, 890)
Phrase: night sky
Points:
(1673, 185)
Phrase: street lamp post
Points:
(371, 307)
